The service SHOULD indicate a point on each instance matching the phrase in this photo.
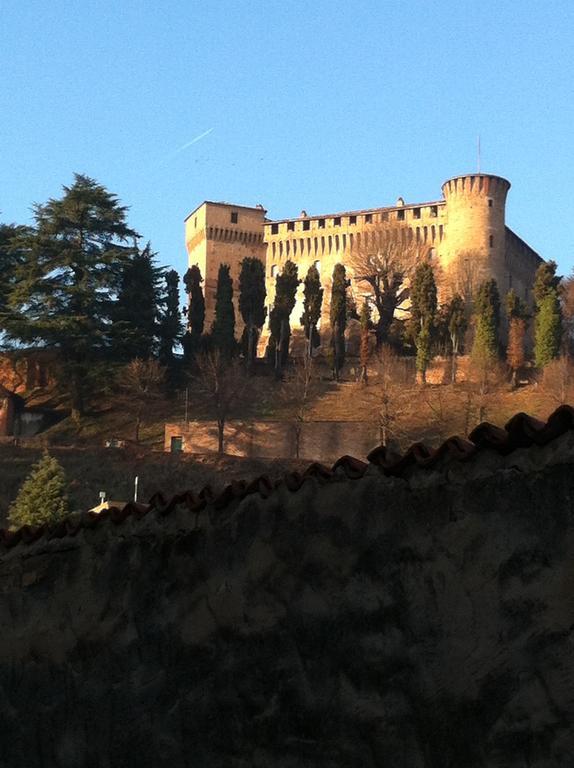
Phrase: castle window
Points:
(426, 233)
(273, 249)
(302, 245)
(401, 215)
(306, 225)
(434, 211)
(336, 242)
(234, 217)
(416, 213)
(330, 243)
(368, 218)
(337, 221)
(322, 245)
(290, 226)
(351, 241)
(280, 249)
(418, 234)
(321, 223)
(294, 247)
(384, 216)
(352, 219)
(440, 232)
(315, 244)
(491, 241)
(344, 242)
(210, 232)
(287, 247)
(490, 203)
(195, 222)
(433, 233)
(274, 229)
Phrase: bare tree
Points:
(467, 275)
(558, 379)
(381, 263)
(389, 394)
(221, 382)
(141, 383)
(297, 393)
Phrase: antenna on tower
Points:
(478, 151)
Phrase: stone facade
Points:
(464, 233)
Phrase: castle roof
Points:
(521, 432)
(357, 212)
(223, 204)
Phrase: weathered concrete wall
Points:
(318, 440)
(414, 623)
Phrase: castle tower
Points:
(475, 244)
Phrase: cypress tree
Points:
(312, 301)
(252, 303)
(42, 498)
(365, 319)
(486, 324)
(423, 311)
(338, 317)
(195, 312)
(517, 314)
(285, 298)
(457, 324)
(548, 323)
(548, 331)
(170, 327)
(137, 309)
(223, 327)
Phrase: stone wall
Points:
(414, 622)
(318, 440)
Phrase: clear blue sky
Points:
(318, 105)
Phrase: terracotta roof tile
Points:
(521, 431)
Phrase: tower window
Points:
(306, 224)
(274, 229)
(337, 221)
(416, 213)
(321, 223)
(234, 217)
(368, 218)
(352, 219)
(290, 226)
(491, 241)
(434, 211)
(489, 202)
(400, 215)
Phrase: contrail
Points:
(193, 141)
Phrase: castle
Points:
(464, 233)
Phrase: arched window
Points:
(273, 250)
(330, 243)
(433, 233)
(287, 248)
(336, 242)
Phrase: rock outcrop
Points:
(413, 613)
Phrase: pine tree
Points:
(486, 324)
(285, 297)
(548, 323)
(252, 303)
(423, 311)
(170, 326)
(137, 309)
(365, 351)
(312, 302)
(223, 327)
(69, 277)
(338, 317)
(195, 312)
(42, 498)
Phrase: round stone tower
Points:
(475, 230)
